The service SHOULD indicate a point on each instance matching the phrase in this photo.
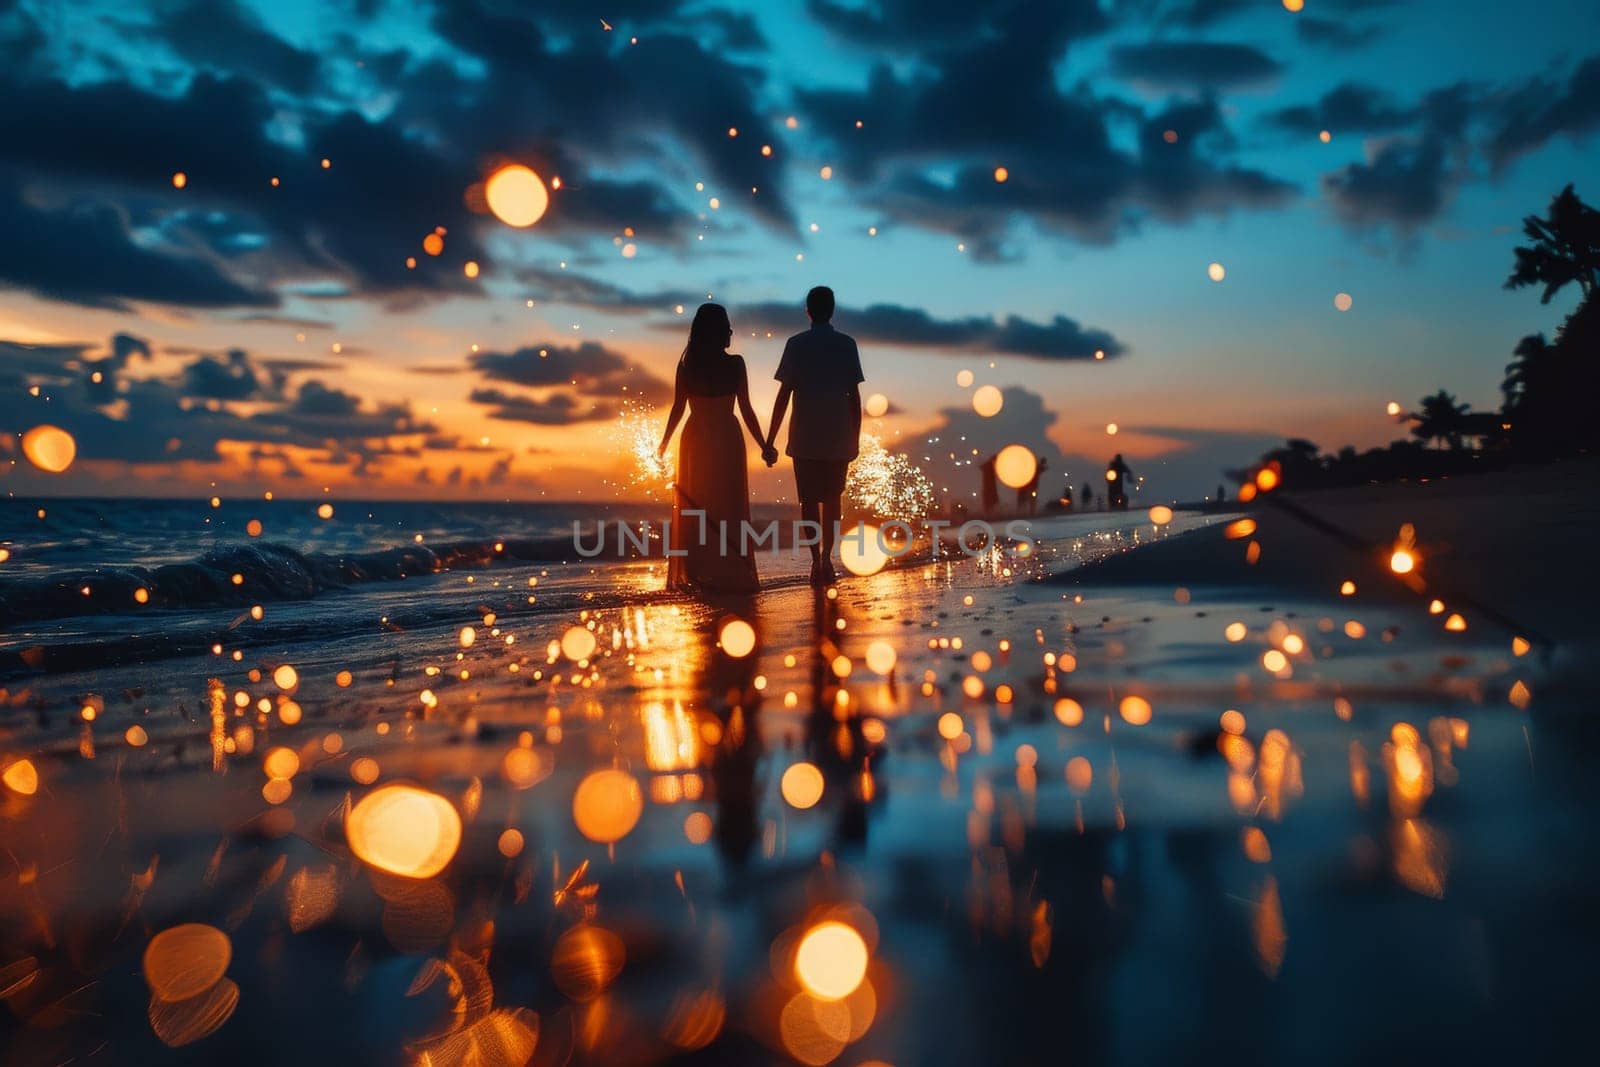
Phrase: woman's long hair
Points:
(703, 356)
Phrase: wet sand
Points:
(1073, 821)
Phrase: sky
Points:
(272, 322)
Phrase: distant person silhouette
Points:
(1086, 495)
(1028, 495)
(709, 552)
(1222, 492)
(821, 372)
(991, 486)
(1117, 473)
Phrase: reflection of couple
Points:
(821, 373)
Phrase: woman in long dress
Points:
(711, 462)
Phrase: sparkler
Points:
(887, 484)
(639, 432)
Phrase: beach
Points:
(1125, 797)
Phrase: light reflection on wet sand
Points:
(1373, 836)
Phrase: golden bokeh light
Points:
(877, 405)
(1161, 514)
(21, 777)
(1135, 710)
(1080, 774)
(738, 638)
(586, 960)
(802, 785)
(281, 762)
(50, 448)
(578, 643)
(606, 805)
(524, 767)
(861, 550)
(404, 830)
(880, 657)
(1401, 561)
(285, 677)
(1069, 712)
(1343, 301)
(831, 960)
(1216, 272)
(1015, 466)
(516, 195)
(987, 401)
(183, 1022)
(186, 960)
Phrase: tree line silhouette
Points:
(1548, 394)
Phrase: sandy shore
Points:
(1516, 544)
(1063, 815)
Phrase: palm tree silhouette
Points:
(1526, 374)
(1566, 248)
(1441, 418)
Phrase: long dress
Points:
(712, 479)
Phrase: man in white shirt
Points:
(821, 371)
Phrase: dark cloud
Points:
(356, 221)
(1193, 64)
(82, 252)
(599, 98)
(225, 36)
(1403, 181)
(1544, 108)
(581, 290)
(932, 137)
(589, 368)
(892, 324)
(213, 379)
(317, 399)
(22, 40)
(1407, 179)
(1335, 33)
(736, 31)
(917, 25)
(1196, 14)
(230, 234)
(157, 420)
(557, 409)
(1346, 109)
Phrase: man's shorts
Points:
(820, 481)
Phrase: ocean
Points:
(103, 583)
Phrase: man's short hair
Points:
(819, 304)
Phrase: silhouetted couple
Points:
(820, 373)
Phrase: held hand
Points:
(769, 455)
